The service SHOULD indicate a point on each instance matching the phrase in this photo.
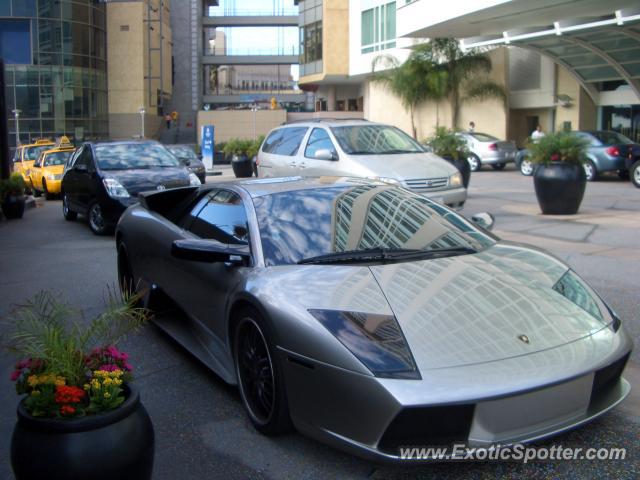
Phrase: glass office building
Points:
(56, 72)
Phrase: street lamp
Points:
(142, 112)
(254, 109)
(16, 116)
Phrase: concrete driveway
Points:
(201, 429)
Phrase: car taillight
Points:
(613, 151)
(493, 147)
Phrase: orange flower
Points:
(66, 410)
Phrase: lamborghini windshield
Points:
(361, 223)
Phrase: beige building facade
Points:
(139, 66)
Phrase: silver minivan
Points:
(358, 148)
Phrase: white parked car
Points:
(358, 148)
(488, 150)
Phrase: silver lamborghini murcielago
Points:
(372, 318)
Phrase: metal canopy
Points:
(596, 49)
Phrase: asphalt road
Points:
(201, 429)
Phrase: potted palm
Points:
(12, 196)
(79, 416)
(559, 179)
(453, 148)
(239, 148)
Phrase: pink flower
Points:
(15, 375)
(555, 157)
(128, 367)
(109, 367)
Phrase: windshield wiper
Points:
(362, 152)
(399, 151)
(379, 254)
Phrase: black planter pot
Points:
(463, 167)
(559, 187)
(13, 207)
(116, 444)
(242, 166)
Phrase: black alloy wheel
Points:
(259, 378)
(68, 214)
(97, 223)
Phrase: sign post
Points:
(207, 146)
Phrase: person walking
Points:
(472, 127)
(537, 134)
(167, 118)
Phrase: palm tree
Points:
(414, 81)
(466, 71)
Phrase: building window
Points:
(311, 42)
(15, 41)
(378, 28)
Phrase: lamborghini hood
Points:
(479, 308)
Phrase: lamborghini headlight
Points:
(455, 180)
(114, 188)
(376, 340)
(194, 181)
(574, 289)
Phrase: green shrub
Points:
(445, 143)
(12, 186)
(558, 147)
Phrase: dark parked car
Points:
(103, 179)
(607, 151)
(189, 159)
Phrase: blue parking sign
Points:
(207, 146)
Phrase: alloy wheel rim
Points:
(636, 175)
(473, 163)
(588, 170)
(255, 372)
(526, 167)
(95, 217)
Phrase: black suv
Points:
(102, 179)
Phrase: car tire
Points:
(68, 214)
(526, 167)
(47, 195)
(474, 162)
(96, 220)
(498, 166)
(634, 173)
(260, 377)
(590, 171)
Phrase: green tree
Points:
(465, 73)
(414, 81)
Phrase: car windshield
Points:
(484, 137)
(182, 151)
(128, 156)
(32, 153)
(612, 138)
(374, 221)
(374, 140)
(56, 158)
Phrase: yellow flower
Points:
(95, 383)
(117, 381)
(32, 380)
(107, 381)
(107, 395)
(60, 381)
(86, 386)
(35, 393)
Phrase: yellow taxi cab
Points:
(46, 172)
(26, 155)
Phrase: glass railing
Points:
(251, 12)
(291, 50)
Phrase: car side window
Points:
(223, 219)
(85, 157)
(319, 140)
(16, 155)
(38, 162)
(285, 141)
